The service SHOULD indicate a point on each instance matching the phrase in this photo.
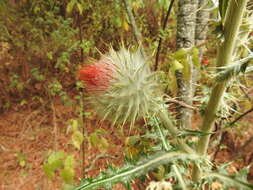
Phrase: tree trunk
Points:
(200, 35)
(186, 21)
(201, 25)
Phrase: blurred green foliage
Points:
(45, 41)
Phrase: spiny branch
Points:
(182, 104)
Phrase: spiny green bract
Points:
(133, 91)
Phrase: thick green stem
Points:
(163, 115)
(225, 56)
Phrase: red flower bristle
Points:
(205, 62)
(97, 76)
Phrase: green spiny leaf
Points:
(233, 70)
(130, 170)
(230, 181)
(188, 132)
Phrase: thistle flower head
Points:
(121, 86)
(96, 76)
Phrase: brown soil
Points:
(31, 133)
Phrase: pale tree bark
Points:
(192, 26)
(186, 21)
(201, 29)
(201, 25)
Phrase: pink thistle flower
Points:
(97, 76)
(205, 62)
(122, 87)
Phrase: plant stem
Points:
(163, 115)
(80, 30)
(55, 125)
(179, 177)
(161, 39)
(241, 116)
(163, 138)
(136, 31)
(82, 118)
(233, 20)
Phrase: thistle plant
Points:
(233, 20)
(122, 87)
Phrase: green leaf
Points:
(195, 56)
(50, 55)
(67, 174)
(132, 140)
(130, 170)
(163, 4)
(69, 161)
(48, 170)
(80, 8)
(93, 139)
(233, 70)
(96, 140)
(101, 132)
(54, 161)
(173, 82)
(56, 158)
(176, 66)
(159, 173)
(186, 69)
(188, 132)
(229, 181)
(79, 85)
(22, 163)
(77, 139)
(23, 102)
(180, 54)
(67, 187)
(73, 126)
(243, 174)
(103, 145)
(21, 159)
(70, 6)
